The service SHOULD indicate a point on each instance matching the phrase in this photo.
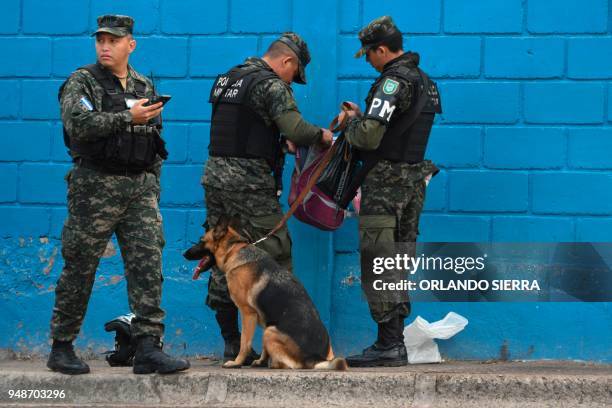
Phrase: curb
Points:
(212, 386)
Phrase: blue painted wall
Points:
(524, 147)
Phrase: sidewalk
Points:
(452, 384)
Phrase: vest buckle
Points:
(141, 129)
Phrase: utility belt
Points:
(376, 157)
(115, 171)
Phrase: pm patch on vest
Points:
(384, 101)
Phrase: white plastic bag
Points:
(420, 334)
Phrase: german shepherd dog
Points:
(265, 293)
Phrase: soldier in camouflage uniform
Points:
(117, 150)
(391, 137)
(253, 110)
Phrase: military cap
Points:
(377, 32)
(299, 47)
(115, 24)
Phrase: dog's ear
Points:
(221, 227)
(235, 226)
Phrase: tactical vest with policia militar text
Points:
(134, 149)
(236, 129)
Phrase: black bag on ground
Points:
(125, 344)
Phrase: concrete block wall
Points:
(522, 145)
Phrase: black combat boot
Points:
(388, 350)
(63, 359)
(150, 358)
(228, 323)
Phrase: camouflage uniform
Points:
(393, 193)
(101, 204)
(246, 187)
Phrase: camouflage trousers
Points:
(392, 198)
(259, 212)
(98, 206)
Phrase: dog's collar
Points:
(237, 240)
(245, 255)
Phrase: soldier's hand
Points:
(142, 114)
(352, 114)
(291, 147)
(326, 137)
(351, 107)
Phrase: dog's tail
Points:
(337, 363)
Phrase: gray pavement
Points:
(450, 384)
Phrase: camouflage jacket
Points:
(270, 99)
(81, 107)
(366, 132)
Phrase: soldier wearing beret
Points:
(113, 188)
(253, 112)
(391, 138)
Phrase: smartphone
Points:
(159, 98)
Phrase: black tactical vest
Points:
(407, 135)
(236, 129)
(133, 149)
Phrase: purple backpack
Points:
(317, 208)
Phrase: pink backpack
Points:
(325, 180)
(317, 208)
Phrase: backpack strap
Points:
(108, 82)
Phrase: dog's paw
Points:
(259, 363)
(231, 364)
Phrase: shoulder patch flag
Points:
(390, 86)
(86, 104)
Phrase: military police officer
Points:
(114, 140)
(253, 110)
(391, 137)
